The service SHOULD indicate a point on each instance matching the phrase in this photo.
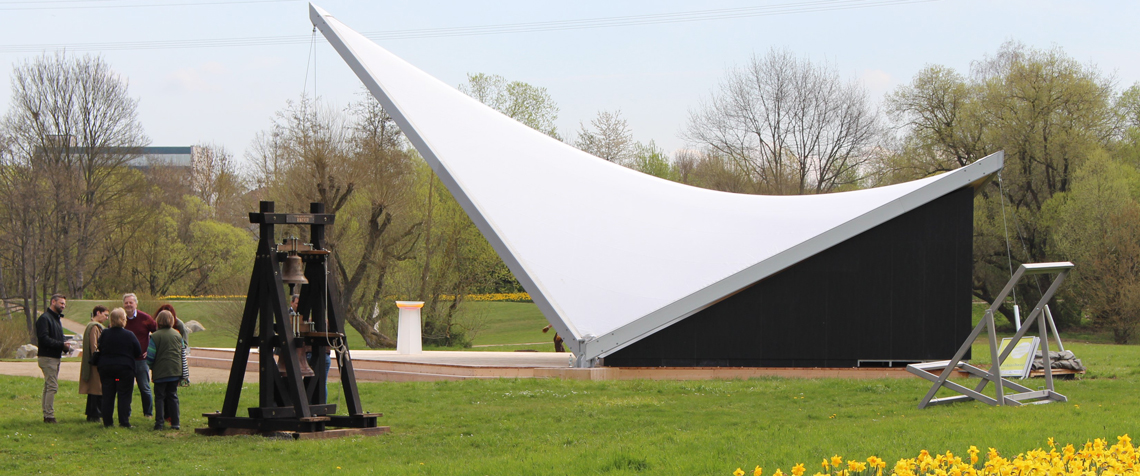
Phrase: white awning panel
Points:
(609, 254)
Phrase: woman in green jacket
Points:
(166, 371)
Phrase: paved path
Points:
(439, 357)
(74, 326)
(70, 371)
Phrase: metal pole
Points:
(1053, 326)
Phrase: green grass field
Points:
(502, 323)
(508, 427)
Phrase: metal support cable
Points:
(1005, 227)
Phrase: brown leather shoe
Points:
(49, 420)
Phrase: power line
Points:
(499, 29)
(40, 6)
(662, 18)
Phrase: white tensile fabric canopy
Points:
(611, 255)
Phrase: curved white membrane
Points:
(608, 253)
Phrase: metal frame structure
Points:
(1022, 394)
(291, 402)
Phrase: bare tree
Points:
(318, 154)
(795, 126)
(713, 171)
(607, 137)
(73, 125)
(214, 178)
(26, 223)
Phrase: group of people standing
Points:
(121, 347)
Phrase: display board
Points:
(1020, 360)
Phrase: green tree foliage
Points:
(1128, 107)
(452, 261)
(177, 250)
(528, 104)
(652, 160)
(223, 258)
(1048, 112)
(942, 115)
(161, 257)
(353, 164)
(1097, 224)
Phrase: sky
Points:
(216, 71)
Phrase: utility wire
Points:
(39, 5)
(499, 29)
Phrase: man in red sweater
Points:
(141, 324)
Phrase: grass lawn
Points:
(497, 427)
(502, 323)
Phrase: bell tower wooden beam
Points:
(286, 402)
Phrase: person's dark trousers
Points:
(322, 391)
(94, 407)
(166, 403)
(118, 382)
(142, 376)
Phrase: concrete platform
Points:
(388, 366)
(478, 359)
(70, 371)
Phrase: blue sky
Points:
(653, 73)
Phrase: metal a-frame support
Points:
(289, 401)
(1020, 394)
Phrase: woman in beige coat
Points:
(89, 383)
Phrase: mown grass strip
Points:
(497, 427)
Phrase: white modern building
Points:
(633, 270)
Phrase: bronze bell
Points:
(293, 270)
(306, 371)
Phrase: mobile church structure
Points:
(633, 270)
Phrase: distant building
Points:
(142, 157)
(186, 157)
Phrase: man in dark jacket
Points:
(49, 336)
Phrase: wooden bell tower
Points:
(288, 400)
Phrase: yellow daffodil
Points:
(738, 472)
(1095, 458)
(758, 471)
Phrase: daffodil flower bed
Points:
(499, 297)
(178, 297)
(491, 297)
(1096, 458)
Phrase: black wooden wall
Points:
(897, 292)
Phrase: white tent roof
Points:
(611, 255)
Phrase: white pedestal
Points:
(408, 334)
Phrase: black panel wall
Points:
(898, 292)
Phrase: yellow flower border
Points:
(493, 297)
(1096, 458)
